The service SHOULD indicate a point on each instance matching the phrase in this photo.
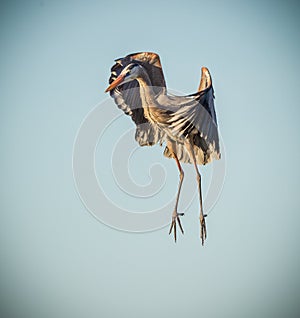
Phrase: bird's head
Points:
(129, 73)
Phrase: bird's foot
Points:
(175, 218)
(203, 228)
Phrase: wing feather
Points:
(197, 117)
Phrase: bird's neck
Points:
(146, 90)
(148, 97)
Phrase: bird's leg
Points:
(176, 215)
(203, 233)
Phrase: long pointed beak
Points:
(115, 83)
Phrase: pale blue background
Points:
(56, 260)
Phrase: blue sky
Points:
(57, 260)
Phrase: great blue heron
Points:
(187, 124)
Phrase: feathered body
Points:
(160, 117)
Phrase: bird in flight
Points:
(187, 125)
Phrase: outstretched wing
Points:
(127, 96)
(205, 95)
(196, 117)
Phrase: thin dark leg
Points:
(175, 215)
(203, 233)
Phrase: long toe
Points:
(180, 226)
(176, 219)
(202, 230)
